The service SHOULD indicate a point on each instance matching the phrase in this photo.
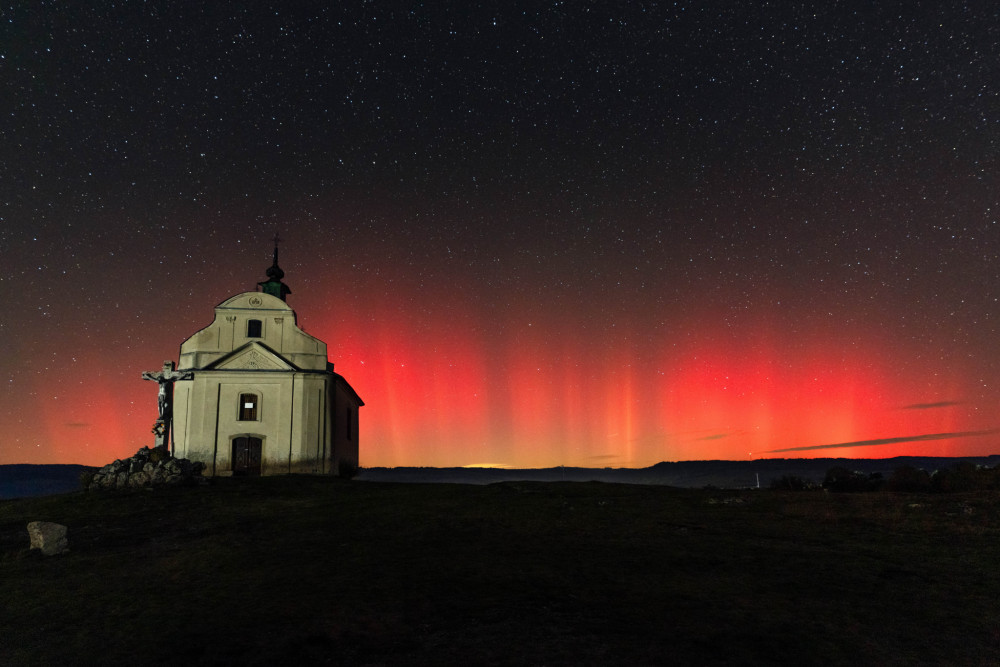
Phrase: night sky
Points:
(531, 233)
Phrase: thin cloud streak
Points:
(889, 441)
(930, 406)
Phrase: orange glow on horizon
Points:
(540, 399)
(449, 392)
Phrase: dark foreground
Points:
(308, 570)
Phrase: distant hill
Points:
(684, 474)
(25, 480)
(22, 480)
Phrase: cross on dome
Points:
(273, 284)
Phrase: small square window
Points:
(254, 328)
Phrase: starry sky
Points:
(531, 233)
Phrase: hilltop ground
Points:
(313, 570)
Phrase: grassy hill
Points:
(313, 570)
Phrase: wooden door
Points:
(246, 455)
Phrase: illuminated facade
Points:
(262, 398)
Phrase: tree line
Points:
(963, 476)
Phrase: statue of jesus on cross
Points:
(165, 399)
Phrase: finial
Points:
(275, 271)
(277, 240)
(273, 284)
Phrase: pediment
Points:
(252, 357)
(254, 301)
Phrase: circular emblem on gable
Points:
(255, 301)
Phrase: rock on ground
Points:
(49, 537)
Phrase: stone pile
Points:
(147, 468)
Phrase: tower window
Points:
(253, 328)
(248, 407)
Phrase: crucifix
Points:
(165, 399)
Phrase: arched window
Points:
(253, 328)
(248, 407)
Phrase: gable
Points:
(252, 357)
(253, 317)
(257, 301)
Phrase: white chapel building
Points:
(262, 399)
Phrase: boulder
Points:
(49, 537)
(138, 479)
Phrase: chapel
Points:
(259, 396)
